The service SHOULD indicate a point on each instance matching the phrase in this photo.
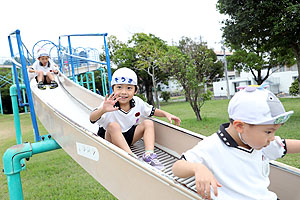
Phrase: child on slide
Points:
(119, 117)
(43, 70)
(233, 163)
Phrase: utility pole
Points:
(225, 70)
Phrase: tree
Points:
(256, 61)
(150, 50)
(194, 66)
(142, 54)
(262, 26)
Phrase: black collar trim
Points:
(228, 140)
(131, 103)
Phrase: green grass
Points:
(51, 175)
(54, 175)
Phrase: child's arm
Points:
(55, 70)
(31, 69)
(292, 146)
(203, 176)
(170, 117)
(54, 67)
(107, 106)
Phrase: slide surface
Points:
(64, 112)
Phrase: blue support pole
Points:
(81, 80)
(24, 97)
(23, 92)
(72, 64)
(60, 57)
(15, 72)
(87, 80)
(103, 78)
(15, 107)
(27, 85)
(12, 163)
(1, 108)
(107, 63)
(93, 82)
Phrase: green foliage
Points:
(243, 59)
(6, 81)
(208, 95)
(294, 89)
(166, 95)
(194, 66)
(150, 50)
(4, 90)
(142, 53)
(269, 29)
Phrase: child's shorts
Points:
(45, 79)
(128, 135)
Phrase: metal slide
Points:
(64, 112)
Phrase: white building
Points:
(279, 81)
(173, 86)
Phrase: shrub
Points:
(166, 96)
(294, 89)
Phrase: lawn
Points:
(51, 175)
(54, 175)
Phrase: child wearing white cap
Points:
(234, 162)
(119, 117)
(43, 69)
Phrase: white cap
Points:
(256, 105)
(124, 76)
(42, 52)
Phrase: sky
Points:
(166, 19)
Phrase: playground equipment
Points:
(80, 60)
(9, 80)
(69, 127)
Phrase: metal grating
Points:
(167, 160)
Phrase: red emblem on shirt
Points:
(137, 114)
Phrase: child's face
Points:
(44, 60)
(125, 91)
(259, 136)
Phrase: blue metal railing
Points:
(71, 54)
(26, 81)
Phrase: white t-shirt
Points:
(126, 120)
(36, 66)
(243, 173)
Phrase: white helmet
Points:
(42, 52)
(124, 76)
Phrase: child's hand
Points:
(204, 180)
(108, 105)
(173, 117)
